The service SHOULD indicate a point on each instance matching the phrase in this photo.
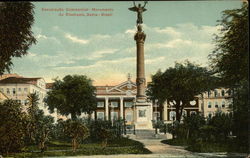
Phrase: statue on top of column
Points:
(139, 9)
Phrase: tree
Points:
(44, 126)
(230, 57)
(12, 126)
(16, 19)
(77, 131)
(180, 85)
(32, 111)
(73, 95)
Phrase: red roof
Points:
(16, 80)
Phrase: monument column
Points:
(140, 37)
(142, 108)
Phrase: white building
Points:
(214, 101)
(18, 88)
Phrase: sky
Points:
(103, 48)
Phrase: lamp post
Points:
(134, 113)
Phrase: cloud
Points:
(101, 53)
(155, 60)
(109, 57)
(75, 39)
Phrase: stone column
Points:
(106, 108)
(140, 71)
(121, 107)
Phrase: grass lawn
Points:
(55, 148)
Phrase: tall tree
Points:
(16, 19)
(12, 126)
(32, 108)
(73, 95)
(180, 85)
(230, 57)
(231, 60)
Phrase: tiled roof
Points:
(15, 80)
(9, 75)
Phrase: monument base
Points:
(143, 115)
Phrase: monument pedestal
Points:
(143, 115)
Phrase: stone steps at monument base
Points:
(148, 134)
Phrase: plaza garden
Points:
(25, 131)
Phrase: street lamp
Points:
(134, 117)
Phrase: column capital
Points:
(140, 37)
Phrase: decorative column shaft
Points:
(106, 108)
(121, 107)
(140, 37)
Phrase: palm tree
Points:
(33, 99)
(32, 111)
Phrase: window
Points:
(184, 113)
(172, 115)
(192, 103)
(14, 91)
(229, 92)
(19, 89)
(216, 104)
(114, 115)
(209, 105)
(1, 90)
(222, 93)
(215, 93)
(100, 104)
(208, 94)
(223, 104)
(128, 104)
(100, 115)
(142, 113)
(8, 91)
(114, 104)
(129, 116)
(25, 89)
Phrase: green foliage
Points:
(115, 146)
(73, 95)
(32, 108)
(231, 60)
(231, 56)
(77, 131)
(222, 125)
(12, 126)
(16, 37)
(180, 85)
(103, 130)
(44, 126)
(241, 113)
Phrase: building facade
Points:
(18, 88)
(119, 101)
